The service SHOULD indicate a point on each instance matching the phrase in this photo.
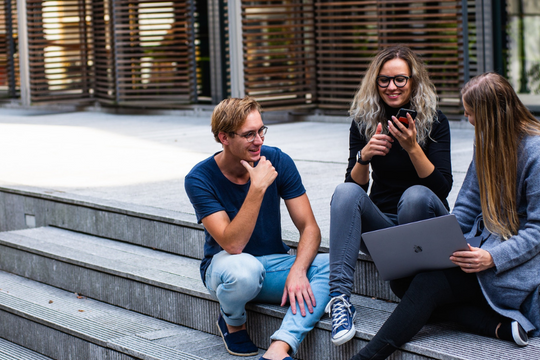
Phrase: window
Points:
(522, 55)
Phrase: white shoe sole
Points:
(348, 336)
(516, 335)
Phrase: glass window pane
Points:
(523, 55)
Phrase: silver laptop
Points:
(405, 250)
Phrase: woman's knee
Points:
(417, 195)
(347, 193)
(399, 286)
(419, 203)
(431, 285)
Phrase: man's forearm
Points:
(234, 235)
(239, 231)
(308, 247)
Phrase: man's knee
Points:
(319, 272)
(322, 263)
(242, 271)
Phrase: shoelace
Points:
(340, 307)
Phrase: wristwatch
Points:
(359, 159)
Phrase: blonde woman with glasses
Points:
(409, 159)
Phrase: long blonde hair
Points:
(501, 121)
(368, 107)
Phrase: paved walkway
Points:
(142, 159)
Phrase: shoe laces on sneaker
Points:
(341, 310)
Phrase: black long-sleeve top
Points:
(394, 173)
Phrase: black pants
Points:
(449, 294)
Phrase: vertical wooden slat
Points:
(59, 50)
(9, 64)
(104, 60)
(279, 52)
(219, 50)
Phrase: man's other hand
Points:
(298, 288)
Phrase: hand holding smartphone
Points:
(402, 116)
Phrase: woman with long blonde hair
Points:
(494, 291)
(410, 168)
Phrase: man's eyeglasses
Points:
(400, 80)
(251, 135)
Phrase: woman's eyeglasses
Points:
(400, 80)
(251, 135)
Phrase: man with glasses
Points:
(236, 194)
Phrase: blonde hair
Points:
(230, 114)
(368, 108)
(501, 120)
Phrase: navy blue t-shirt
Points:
(210, 191)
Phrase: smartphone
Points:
(402, 116)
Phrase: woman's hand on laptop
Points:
(474, 260)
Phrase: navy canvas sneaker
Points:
(237, 343)
(342, 313)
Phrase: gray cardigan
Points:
(512, 286)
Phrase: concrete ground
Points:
(142, 159)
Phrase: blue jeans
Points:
(352, 212)
(234, 280)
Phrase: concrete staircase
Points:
(85, 278)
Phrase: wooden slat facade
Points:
(60, 50)
(433, 30)
(279, 52)
(113, 51)
(349, 33)
(149, 45)
(296, 53)
(9, 61)
(347, 38)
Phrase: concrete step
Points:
(12, 351)
(65, 325)
(160, 229)
(168, 287)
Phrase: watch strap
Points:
(359, 159)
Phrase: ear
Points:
(224, 138)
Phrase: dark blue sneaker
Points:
(342, 313)
(237, 343)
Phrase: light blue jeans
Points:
(234, 280)
(352, 213)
